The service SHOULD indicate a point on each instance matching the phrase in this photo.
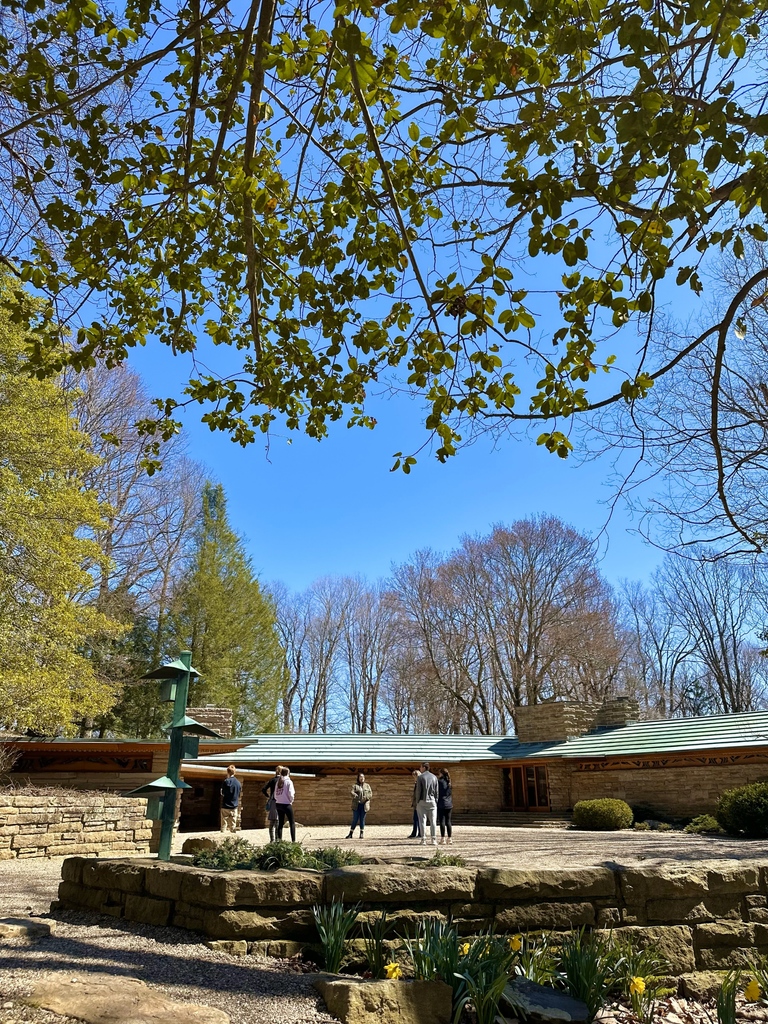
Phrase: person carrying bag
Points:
(361, 804)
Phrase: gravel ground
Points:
(530, 847)
(255, 990)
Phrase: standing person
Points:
(445, 807)
(284, 796)
(271, 808)
(361, 804)
(230, 800)
(426, 802)
(415, 828)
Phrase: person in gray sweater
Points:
(426, 802)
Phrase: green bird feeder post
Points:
(175, 677)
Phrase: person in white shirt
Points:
(284, 797)
(426, 802)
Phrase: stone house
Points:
(564, 752)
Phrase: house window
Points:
(526, 787)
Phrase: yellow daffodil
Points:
(464, 949)
(393, 971)
(515, 943)
(752, 992)
(637, 986)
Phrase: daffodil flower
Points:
(464, 949)
(393, 971)
(753, 992)
(637, 986)
(515, 943)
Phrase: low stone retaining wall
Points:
(701, 918)
(62, 823)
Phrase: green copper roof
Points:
(748, 729)
(377, 748)
(713, 732)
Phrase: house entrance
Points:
(526, 788)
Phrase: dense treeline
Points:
(457, 642)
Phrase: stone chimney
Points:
(617, 711)
(218, 719)
(555, 720)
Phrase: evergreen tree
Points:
(221, 615)
(47, 678)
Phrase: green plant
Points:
(588, 965)
(603, 815)
(632, 962)
(373, 939)
(334, 924)
(484, 973)
(744, 811)
(444, 860)
(758, 968)
(434, 951)
(281, 854)
(229, 855)
(330, 857)
(726, 998)
(536, 960)
(643, 997)
(642, 826)
(704, 824)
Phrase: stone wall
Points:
(218, 719)
(554, 721)
(680, 791)
(708, 916)
(62, 823)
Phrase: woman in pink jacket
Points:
(284, 796)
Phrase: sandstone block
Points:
(111, 999)
(701, 985)
(164, 880)
(728, 934)
(741, 878)
(399, 922)
(76, 895)
(724, 959)
(512, 884)
(25, 929)
(607, 917)
(281, 949)
(250, 924)
(544, 916)
(295, 888)
(66, 826)
(384, 883)
(7, 855)
(31, 842)
(693, 909)
(674, 942)
(147, 910)
(667, 882)
(355, 1001)
(114, 874)
(233, 947)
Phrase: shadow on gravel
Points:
(170, 965)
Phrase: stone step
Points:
(513, 819)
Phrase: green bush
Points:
(744, 811)
(444, 860)
(239, 854)
(704, 824)
(642, 826)
(663, 826)
(602, 815)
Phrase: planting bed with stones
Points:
(706, 917)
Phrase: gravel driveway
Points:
(254, 989)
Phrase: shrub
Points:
(281, 854)
(642, 826)
(744, 811)
(444, 860)
(602, 815)
(230, 855)
(704, 824)
(663, 826)
(330, 857)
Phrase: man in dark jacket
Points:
(230, 801)
(426, 802)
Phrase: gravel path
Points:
(530, 847)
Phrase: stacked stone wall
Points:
(554, 721)
(63, 823)
(218, 719)
(680, 791)
(709, 916)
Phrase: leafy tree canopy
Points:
(221, 615)
(47, 678)
(347, 197)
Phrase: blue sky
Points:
(310, 509)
